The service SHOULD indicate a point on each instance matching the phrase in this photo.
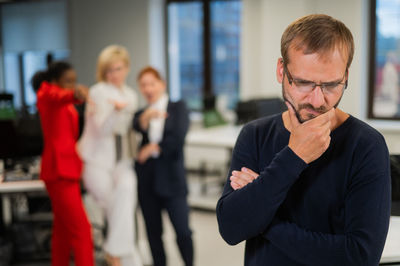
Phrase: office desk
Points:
(21, 186)
(215, 137)
(9, 188)
(205, 141)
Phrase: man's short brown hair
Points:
(317, 33)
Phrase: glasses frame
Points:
(292, 80)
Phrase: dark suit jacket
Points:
(165, 175)
(59, 120)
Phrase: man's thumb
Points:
(292, 114)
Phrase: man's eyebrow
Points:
(303, 80)
(334, 81)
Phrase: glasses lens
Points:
(304, 86)
(308, 86)
(332, 88)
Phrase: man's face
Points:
(327, 69)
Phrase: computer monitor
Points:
(256, 108)
(20, 133)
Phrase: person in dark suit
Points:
(160, 166)
(61, 166)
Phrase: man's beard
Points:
(320, 110)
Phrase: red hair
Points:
(150, 70)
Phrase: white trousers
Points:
(115, 191)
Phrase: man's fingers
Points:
(322, 119)
(328, 115)
(241, 179)
(250, 172)
(292, 114)
(243, 176)
(236, 182)
(235, 185)
(327, 132)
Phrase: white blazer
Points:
(103, 121)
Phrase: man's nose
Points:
(317, 97)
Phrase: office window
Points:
(225, 39)
(203, 51)
(19, 72)
(185, 52)
(29, 30)
(12, 78)
(384, 96)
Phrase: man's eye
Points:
(300, 83)
(330, 86)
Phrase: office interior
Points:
(78, 30)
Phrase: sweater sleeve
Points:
(367, 213)
(57, 96)
(247, 212)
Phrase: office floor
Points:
(210, 248)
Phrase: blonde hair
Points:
(109, 55)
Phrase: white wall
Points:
(263, 24)
(133, 24)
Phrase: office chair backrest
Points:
(252, 109)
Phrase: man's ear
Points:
(280, 70)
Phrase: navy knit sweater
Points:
(333, 211)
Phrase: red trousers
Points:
(71, 228)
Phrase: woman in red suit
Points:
(61, 165)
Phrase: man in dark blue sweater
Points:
(310, 186)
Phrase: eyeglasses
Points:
(306, 86)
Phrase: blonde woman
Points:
(105, 147)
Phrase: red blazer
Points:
(60, 127)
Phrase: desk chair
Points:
(253, 109)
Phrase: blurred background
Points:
(217, 55)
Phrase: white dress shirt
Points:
(156, 125)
